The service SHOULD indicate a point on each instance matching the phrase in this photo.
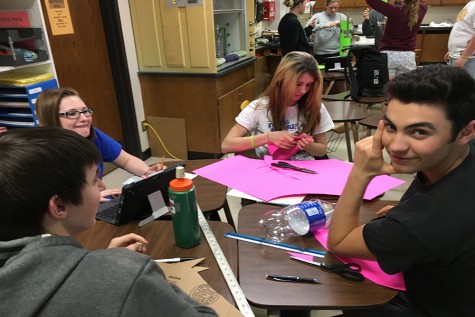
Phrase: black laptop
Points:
(133, 203)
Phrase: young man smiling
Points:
(428, 130)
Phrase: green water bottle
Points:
(184, 211)
(346, 27)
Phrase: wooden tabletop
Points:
(333, 75)
(372, 121)
(161, 244)
(344, 111)
(255, 261)
(211, 196)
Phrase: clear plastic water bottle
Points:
(296, 220)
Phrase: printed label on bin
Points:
(315, 214)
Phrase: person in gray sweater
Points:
(326, 31)
(49, 193)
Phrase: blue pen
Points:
(278, 245)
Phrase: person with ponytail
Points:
(399, 37)
(292, 36)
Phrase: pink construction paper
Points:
(370, 269)
(281, 154)
(258, 178)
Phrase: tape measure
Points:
(223, 264)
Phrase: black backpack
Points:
(371, 74)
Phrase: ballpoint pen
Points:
(292, 278)
(175, 260)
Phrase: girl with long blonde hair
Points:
(291, 105)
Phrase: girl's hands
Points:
(282, 139)
(304, 140)
(155, 168)
(109, 194)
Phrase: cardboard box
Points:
(172, 132)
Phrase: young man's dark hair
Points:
(428, 129)
(33, 168)
(448, 87)
(49, 192)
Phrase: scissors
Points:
(282, 164)
(350, 271)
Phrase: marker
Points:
(175, 260)
(140, 246)
(292, 278)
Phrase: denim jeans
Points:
(469, 66)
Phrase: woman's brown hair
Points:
(47, 107)
(282, 87)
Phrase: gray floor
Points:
(337, 149)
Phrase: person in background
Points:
(50, 193)
(326, 29)
(292, 36)
(291, 104)
(64, 107)
(462, 40)
(372, 25)
(428, 129)
(399, 38)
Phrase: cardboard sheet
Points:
(258, 178)
(186, 276)
(172, 132)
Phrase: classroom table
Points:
(349, 113)
(331, 77)
(161, 244)
(255, 261)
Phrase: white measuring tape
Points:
(223, 264)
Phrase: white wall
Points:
(132, 63)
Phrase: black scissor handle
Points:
(350, 271)
(284, 165)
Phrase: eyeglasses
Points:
(74, 114)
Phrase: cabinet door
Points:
(229, 106)
(360, 3)
(434, 47)
(453, 2)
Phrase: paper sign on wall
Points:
(59, 17)
(14, 19)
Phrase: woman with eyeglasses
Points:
(64, 107)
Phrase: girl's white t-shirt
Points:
(256, 119)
